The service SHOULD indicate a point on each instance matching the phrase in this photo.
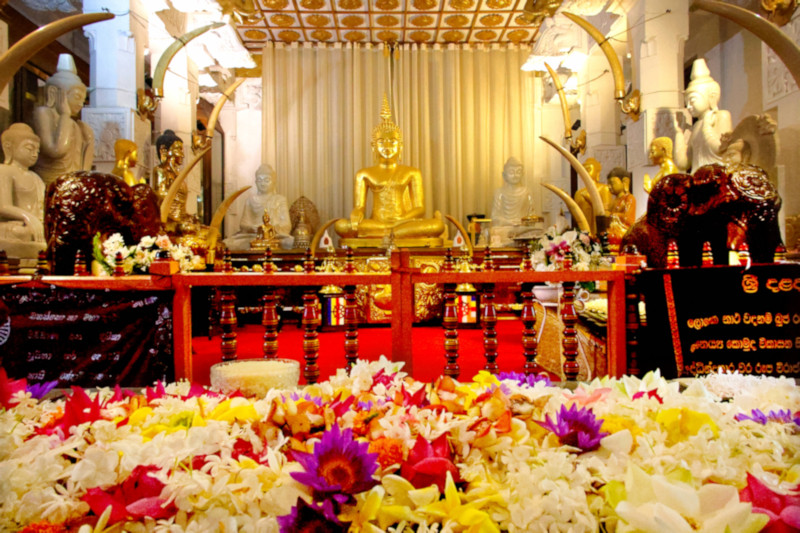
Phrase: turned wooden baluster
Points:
(526, 265)
(450, 322)
(80, 264)
(569, 342)
(530, 346)
(227, 321)
(269, 319)
(268, 264)
(488, 260)
(350, 325)
(4, 270)
(311, 321)
(632, 324)
(489, 321)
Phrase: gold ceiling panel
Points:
(392, 21)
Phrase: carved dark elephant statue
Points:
(80, 204)
(724, 205)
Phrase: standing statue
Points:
(264, 200)
(512, 202)
(127, 155)
(623, 206)
(21, 194)
(661, 155)
(398, 202)
(67, 144)
(170, 155)
(701, 145)
(583, 199)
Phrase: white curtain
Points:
(462, 112)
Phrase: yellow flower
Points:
(365, 511)
(683, 423)
(243, 411)
(615, 423)
(468, 515)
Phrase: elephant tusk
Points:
(212, 119)
(572, 205)
(28, 46)
(608, 50)
(563, 98)
(176, 184)
(780, 43)
(597, 203)
(464, 234)
(161, 67)
(219, 215)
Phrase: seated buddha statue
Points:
(623, 206)
(660, 154)
(126, 154)
(583, 198)
(21, 194)
(397, 198)
(512, 202)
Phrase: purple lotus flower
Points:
(757, 415)
(524, 379)
(576, 427)
(310, 517)
(339, 467)
(40, 390)
(297, 396)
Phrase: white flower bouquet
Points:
(549, 252)
(138, 258)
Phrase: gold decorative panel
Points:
(401, 21)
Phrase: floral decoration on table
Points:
(549, 251)
(138, 258)
(377, 451)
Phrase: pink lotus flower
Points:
(137, 497)
(428, 463)
(783, 510)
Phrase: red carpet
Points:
(428, 351)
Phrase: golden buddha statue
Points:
(623, 206)
(127, 155)
(583, 198)
(661, 155)
(266, 236)
(170, 154)
(398, 202)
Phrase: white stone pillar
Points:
(116, 72)
(657, 39)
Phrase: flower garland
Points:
(374, 450)
(138, 258)
(549, 252)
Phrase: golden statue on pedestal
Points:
(266, 236)
(127, 155)
(398, 202)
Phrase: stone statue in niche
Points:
(702, 144)
(21, 194)
(512, 202)
(67, 144)
(126, 154)
(583, 199)
(265, 199)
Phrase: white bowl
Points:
(255, 377)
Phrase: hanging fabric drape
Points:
(462, 111)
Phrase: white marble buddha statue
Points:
(701, 144)
(263, 199)
(21, 194)
(511, 203)
(398, 205)
(67, 144)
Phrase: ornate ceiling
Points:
(391, 21)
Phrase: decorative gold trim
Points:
(289, 36)
(486, 35)
(321, 35)
(387, 20)
(420, 36)
(457, 21)
(492, 20)
(282, 20)
(422, 20)
(351, 21)
(312, 5)
(452, 36)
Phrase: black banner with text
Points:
(87, 338)
(702, 319)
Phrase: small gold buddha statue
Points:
(398, 201)
(266, 236)
(660, 154)
(170, 154)
(126, 154)
(583, 198)
(623, 206)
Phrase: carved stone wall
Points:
(777, 81)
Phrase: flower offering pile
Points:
(549, 252)
(375, 450)
(137, 259)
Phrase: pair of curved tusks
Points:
(161, 67)
(212, 119)
(28, 46)
(572, 205)
(780, 43)
(594, 195)
(563, 98)
(608, 51)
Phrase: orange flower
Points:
(389, 450)
(44, 527)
